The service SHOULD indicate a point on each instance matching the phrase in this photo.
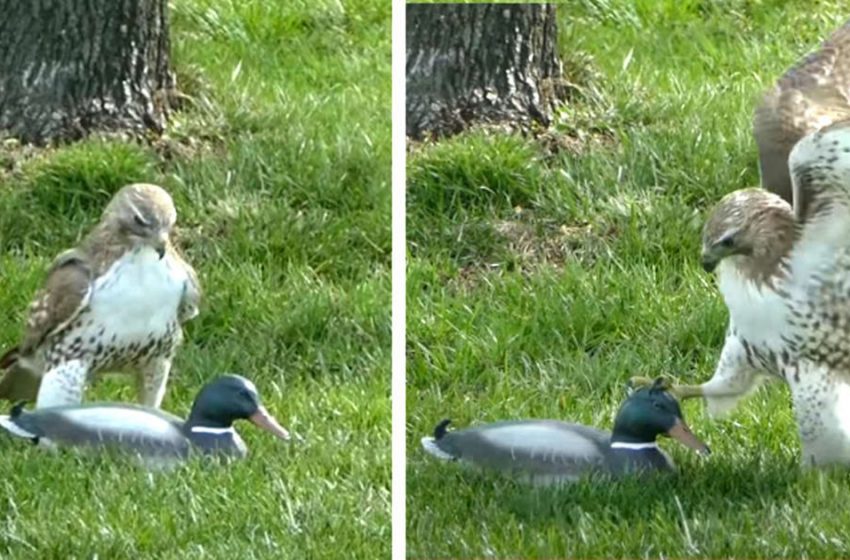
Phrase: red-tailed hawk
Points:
(785, 276)
(784, 272)
(115, 303)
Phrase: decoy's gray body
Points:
(551, 451)
(148, 432)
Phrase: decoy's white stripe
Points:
(13, 428)
(430, 446)
(626, 445)
(203, 430)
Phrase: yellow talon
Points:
(678, 391)
(640, 381)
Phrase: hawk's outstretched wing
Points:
(812, 94)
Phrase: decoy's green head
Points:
(229, 398)
(650, 412)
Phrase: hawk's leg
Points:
(721, 392)
(63, 384)
(822, 409)
(681, 392)
(153, 377)
(734, 377)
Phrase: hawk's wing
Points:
(820, 166)
(812, 94)
(191, 301)
(66, 292)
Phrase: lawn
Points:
(280, 169)
(543, 273)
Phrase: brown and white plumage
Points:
(812, 94)
(747, 239)
(753, 230)
(783, 272)
(819, 294)
(785, 277)
(116, 302)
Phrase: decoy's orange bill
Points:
(683, 433)
(267, 422)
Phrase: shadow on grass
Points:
(712, 489)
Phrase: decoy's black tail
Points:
(441, 428)
(17, 409)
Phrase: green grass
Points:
(280, 169)
(539, 282)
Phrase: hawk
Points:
(785, 277)
(116, 303)
(747, 241)
(812, 94)
(779, 268)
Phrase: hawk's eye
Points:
(727, 241)
(140, 221)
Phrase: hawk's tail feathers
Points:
(17, 382)
(10, 358)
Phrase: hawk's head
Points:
(143, 214)
(752, 226)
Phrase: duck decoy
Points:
(551, 451)
(150, 433)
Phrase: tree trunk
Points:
(71, 67)
(480, 62)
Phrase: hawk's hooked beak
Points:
(160, 244)
(709, 262)
(711, 257)
(715, 251)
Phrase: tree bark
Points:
(71, 67)
(480, 62)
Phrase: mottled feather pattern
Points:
(191, 302)
(812, 94)
(784, 277)
(827, 66)
(796, 327)
(130, 324)
(114, 303)
(66, 291)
